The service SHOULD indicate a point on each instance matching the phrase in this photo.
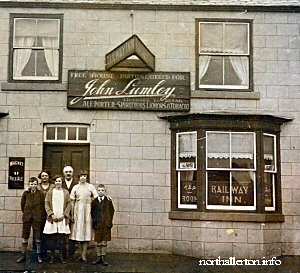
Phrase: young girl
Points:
(58, 205)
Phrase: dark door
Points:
(55, 157)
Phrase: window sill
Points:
(225, 216)
(225, 95)
(6, 86)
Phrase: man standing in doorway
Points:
(68, 183)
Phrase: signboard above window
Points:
(149, 91)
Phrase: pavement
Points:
(142, 262)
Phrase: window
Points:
(36, 48)
(224, 165)
(223, 55)
(230, 170)
(66, 133)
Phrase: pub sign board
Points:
(148, 91)
(16, 173)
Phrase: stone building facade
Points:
(135, 151)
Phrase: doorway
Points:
(66, 144)
(56, 157)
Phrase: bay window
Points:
(36, 47)
(225, 167)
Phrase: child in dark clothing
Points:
(102, 211)
(33, 208)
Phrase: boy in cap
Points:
(102, 211)
(33, 208)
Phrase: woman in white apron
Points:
(82, 195)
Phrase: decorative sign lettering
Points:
(157, 91)
(16, 173)
(242, 194)
(188, 192)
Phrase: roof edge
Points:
(253, 115)
(94, 5)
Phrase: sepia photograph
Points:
(149, 136)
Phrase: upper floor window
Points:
(223, 60)
(36, 47)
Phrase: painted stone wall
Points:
(130, 151)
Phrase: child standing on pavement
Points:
(102, 211)
(58, 205)
(33, 208)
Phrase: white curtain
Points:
(21, 56)
(240, 66)
(51, 54)
(203, 66)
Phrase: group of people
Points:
(66, 212)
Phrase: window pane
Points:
(188, 187)
(218, 70)
(24, 28)
(47, 28)
(218, 150)
(236, 70)
(61, 133)
(50, 133)
(42, 68)
(71, 133)
(242, 188)
(242, 150)
(269, 191)
(211, 37)
(214, 71)
(29, 68)
(236, 38)
(269, 153)
(218, 187)
(82, 134)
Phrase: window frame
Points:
(33, 79)
(224, 88)
(231, 170)
(260, 124)
(77, 127)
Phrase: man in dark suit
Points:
(33, 208)
(68, 183)
(102, 211)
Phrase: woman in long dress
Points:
(58, 206)
(82, 195)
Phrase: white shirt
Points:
(69, 182)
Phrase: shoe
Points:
(80, 259)
(51, 260)
(62, 260)
(39, 258)
(103, 261)
(98, 261)
(22, 259)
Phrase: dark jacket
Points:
(64, 185)
(102, 212)
(49, 205)
(33, 206)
